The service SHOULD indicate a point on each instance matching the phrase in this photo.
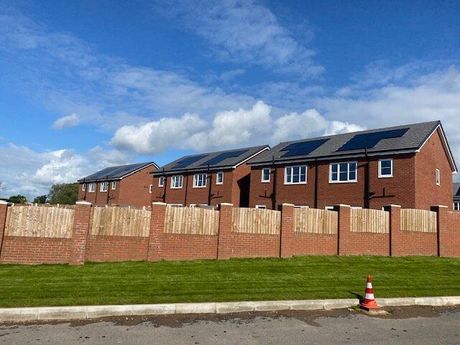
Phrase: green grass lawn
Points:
(234, 280)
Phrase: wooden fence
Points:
(38, 221)
(315, 221)
(368, 220)
(256, 221)
(418, 220)
(120, 221)
(191, 221)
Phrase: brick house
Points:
(125, 185)
(206, 179)
(456, 196)
(410, 165)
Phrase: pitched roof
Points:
(212, 160)
(456, 191)
(116, 172)
(398, 139)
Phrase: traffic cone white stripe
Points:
(369, 285)
(369, 296)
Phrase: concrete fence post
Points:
(81, 225)
(224, 237)
(3, 211)
(287, 230)
(443, 236)
(157, 227)
(395, 229)
(344, 229)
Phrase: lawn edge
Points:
(99, 311)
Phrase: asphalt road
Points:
(412, 326)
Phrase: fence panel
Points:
(39, 221)
(256, 221)
(418, 220)
(120, 221)
(368, 220)
(191, 221)
(315, 221)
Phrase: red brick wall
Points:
(187, 247)
(415, 243)
(313, 244)
(116, 248)
(35, 250)
(450, 235)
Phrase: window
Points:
(150, 188)
(104, 186)
(220, 177)
(199, 180)
(438, 177)
(457, 206)
(83, 187)
(161, 181)
(385, 168)
(91, 187)
(176, 181)
(342, 172)
(266, 175)
(295, 175)
(261, 206)
(114, 185)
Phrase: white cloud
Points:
(244, 31)
(71, 120)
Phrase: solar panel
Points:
(303, 148)
(223, 156)
(115, 172)
(185, 162)
(369, 140)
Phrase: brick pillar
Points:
(444, 238)
(3, 210)
(395, 229)
(224, 244)
(157, 227)
(80, 233)
(287, 230)
(343, 234)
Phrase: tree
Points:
(18, 199)
(40, 199)
(63, 193)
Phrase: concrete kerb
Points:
(94, 312)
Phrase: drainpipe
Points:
(316, 183)
(209, 177)
(186, 189)
(367, 183)
(274, 183)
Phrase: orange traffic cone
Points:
(369, 299)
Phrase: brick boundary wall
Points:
(226, 244)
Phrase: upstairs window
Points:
(295, 175)
(150, 188)
(385, 168)
(114, 185)
(91, 187)
(104, 186)
(438, 177)
(161, 181)
(83, 187)
(220, 177)
(199, 180)
(457, 206)
(342, 172)
(176, 181)
(266, 175)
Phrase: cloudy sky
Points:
(85, 84)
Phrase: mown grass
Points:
(234, 280)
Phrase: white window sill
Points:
(293, 183)
(342, 182)
(198, 187)
(385, 176)
(176, 187)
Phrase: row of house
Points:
(410, 165)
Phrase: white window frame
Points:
(292, 168)
(438, 177)
(329, 208)
(263, 175)
(83, 187)
(380, 168)
(161, 181)
(456, 206)
(92, 187)
(150, 188)
(103, 187)
(221, 174)
(348, 172)
(262, 207)
(180, 181)
(200, 178)
(113, 185)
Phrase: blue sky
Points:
(86, 84)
